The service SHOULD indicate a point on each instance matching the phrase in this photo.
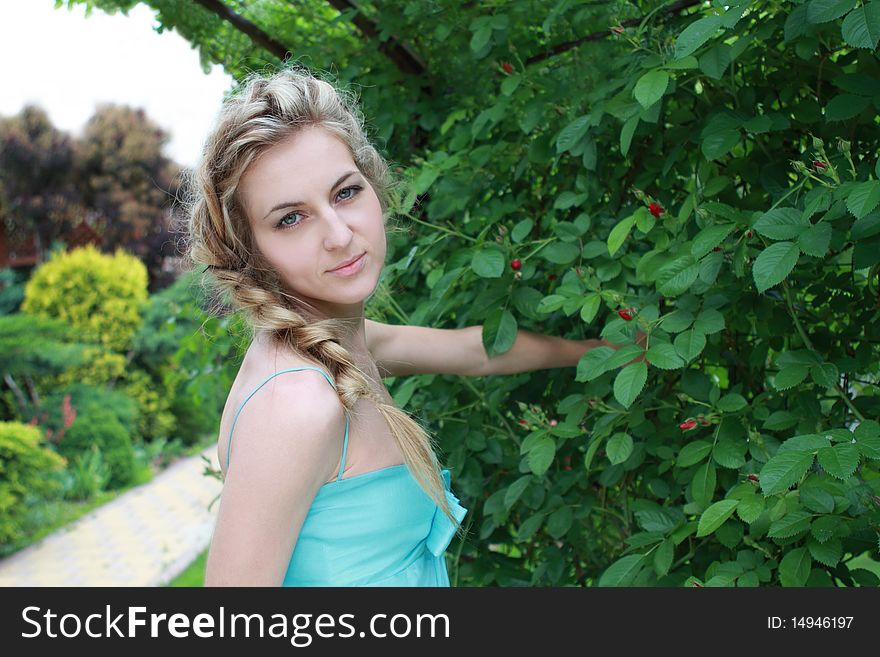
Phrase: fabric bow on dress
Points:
(442, 528)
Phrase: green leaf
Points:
(559, 522)
(805, 443)
(750, 508)
(572, 133)
(623, 571)
(868, 439)
(796, 23)
(828, 553)
(790, 524)
(675, 278)
(693, 453)
(515, 490)
(716, 60)
(710, 237)
(528, 528)
(845, 106)
(774, 263)
(619, 447)
(729, 453)
(521, 230)
(709, 321)
(510, 84)
(664, 356)
(839, 461)
(561, 253)
(488, 262)
(550, 303)
(781, 223)
(619, 233)
(816, 499)
(695, 35)
(822, 11)
(629, 383)
(815, 240)
(863, 198)
(826, 374)
(499, 332)
(794, 569)
(663, 557)
(626, 134)
(651, 87)
(591, 305)
(714, 516)
(623, 355)
(861, 27)
(592, 363)
(731, 403)
(783, 471)
(541, 455)
(824, 527)
(719, 143)
(790, 376)
(690, 344)
(677, 321)
(703, 483)
(481, 38)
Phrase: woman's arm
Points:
(534, 351)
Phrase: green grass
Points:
(194, 575)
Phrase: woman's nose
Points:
(338, 231)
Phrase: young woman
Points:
(326, 482)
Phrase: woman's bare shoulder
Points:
(259, 363)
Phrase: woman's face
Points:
(310, 210)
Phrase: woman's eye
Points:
(281, 225)
(353, 189)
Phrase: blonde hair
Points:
(264, 111)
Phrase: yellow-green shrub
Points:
(24, 466)
(101, 367)
(154, 403)
(101, 295)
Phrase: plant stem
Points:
(809, 344)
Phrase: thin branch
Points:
(595, 36)
(403, 57)
(243, 25)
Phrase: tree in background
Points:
(37, 194)
(127, 182)
(114, 178)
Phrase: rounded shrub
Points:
(101, 295)
(24, 468)
(100, 427)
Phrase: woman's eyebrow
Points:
(293, 204)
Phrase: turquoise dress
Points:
(378, 528)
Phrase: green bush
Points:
(26, 476)
(101, 295)
(99, 427)
(85, 398)
(153, 400)
(171, 345)
(86, 475)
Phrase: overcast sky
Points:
(67, 63)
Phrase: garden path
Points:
(145, 537)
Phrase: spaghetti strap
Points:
(271, 376)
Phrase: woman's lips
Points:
(350, 269)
